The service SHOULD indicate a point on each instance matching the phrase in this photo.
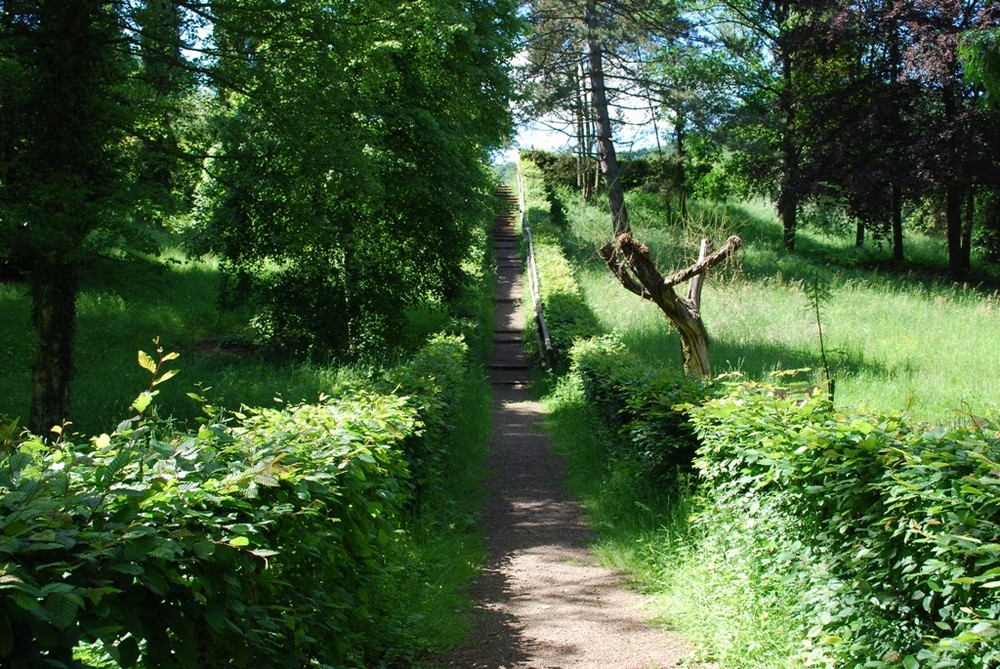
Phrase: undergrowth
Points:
(773, 529)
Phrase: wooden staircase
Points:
(508, 364)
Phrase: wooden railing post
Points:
(545, 348)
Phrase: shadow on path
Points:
(542, 603)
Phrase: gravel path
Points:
(542, 602)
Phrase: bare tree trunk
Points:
(628, 259)
(53, 292)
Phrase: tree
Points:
(953, 156)
(980, 52)
(628, 259)
(328, 112)
(63, 158)
(373, 144)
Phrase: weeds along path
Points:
(542, 602)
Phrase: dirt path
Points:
(542, 602)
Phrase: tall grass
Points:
(894, 339)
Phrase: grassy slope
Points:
(893, 339)
(890, 338)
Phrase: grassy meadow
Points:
(893, 340)
(124, 305)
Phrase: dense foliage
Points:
(366, 167)
(892, 526)
(263, 537)
(656, 444)
(331, 153)
(879, 532)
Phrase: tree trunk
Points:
(788, 198)
(582, 159)
(897, 191)
(970, 221)
(628, 259)
(953, 217)
(681, 164)
(954, 191)
(605, 143)
(859, 235)
(897, 224)
(53, 290)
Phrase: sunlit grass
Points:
(893, 340)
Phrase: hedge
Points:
(260, 538)
(902, 520)
(889, 529)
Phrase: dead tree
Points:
(629, 259)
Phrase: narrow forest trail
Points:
(541, 601)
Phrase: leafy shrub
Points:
(433, 381)
(262, 537)
(900, 520)
(655, 438)
(557, 169)
(259, 539)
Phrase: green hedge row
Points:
(896, 525)
(655, 439)
(567, 314)
(888, 530)
(261, 538)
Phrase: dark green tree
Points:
(63, 156)
(352, 164)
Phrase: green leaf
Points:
(26, 601)
(54, 588)
(126, 652)
(19, 460)
(62, 608)
(141, 402)
(239, 542)
(166, 376)
(147, 362)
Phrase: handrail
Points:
(545, 348)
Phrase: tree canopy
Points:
(332, 153)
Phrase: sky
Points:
(550, 135)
